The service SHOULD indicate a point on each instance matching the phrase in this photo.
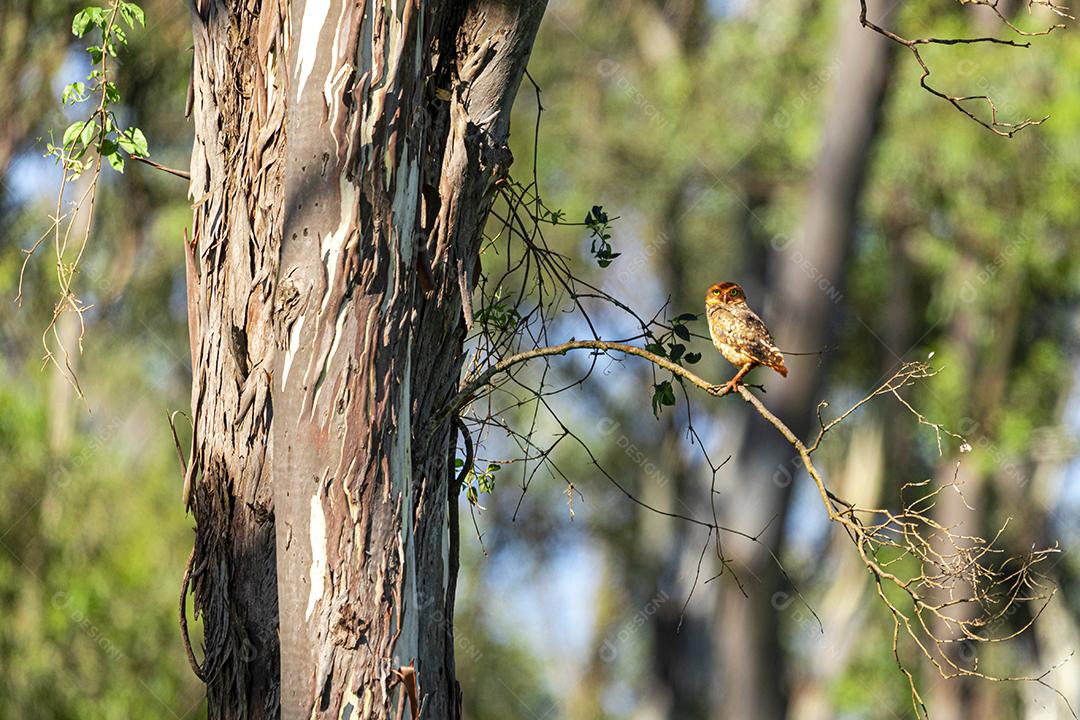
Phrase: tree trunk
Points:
(845, 603)
(682, 662)
(345, 160)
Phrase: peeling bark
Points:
(236, 190)
(305, 299)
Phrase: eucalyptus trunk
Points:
(345, 161)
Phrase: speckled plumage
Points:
(738, 333)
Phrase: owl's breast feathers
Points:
(741, 337)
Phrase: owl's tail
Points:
(778, 365)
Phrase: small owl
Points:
(738, 333)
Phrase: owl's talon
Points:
(723, 388)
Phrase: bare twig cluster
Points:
(943, 588)
(86, 146)
(961, 102)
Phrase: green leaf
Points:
(112, 95)
(116, 160)
(686, 317)
(72, 132)
(677, 350)
(681, 331)
(486, 482)
(132, 13)
(669, 393)
(656, 349)
(133, 142)
(74, 92)
(85, 18)
(96, 54)
(663, 395)
(596, 216)
(89, 133)
(692, 358)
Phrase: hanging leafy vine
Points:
(87, 144)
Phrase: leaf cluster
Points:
(101, 131)
(477, 483)
(600, 229)
(670, 345)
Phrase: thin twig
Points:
(157, 166)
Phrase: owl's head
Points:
(725, 293)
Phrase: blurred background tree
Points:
(93, 537)
(779, 146)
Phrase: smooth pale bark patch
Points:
(315, 14)
(318, 554)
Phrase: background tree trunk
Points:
(328, 286)
(806, 287)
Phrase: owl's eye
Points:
(716, 291)
(734, 293)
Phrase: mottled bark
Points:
(345, 161)
(806, 288)
(397, 177)
(236, 188)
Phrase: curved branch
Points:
(827, 498)
(471, 386)
(184, 584)
(474, 385)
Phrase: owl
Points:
(738, 333)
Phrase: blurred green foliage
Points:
(93, 538)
